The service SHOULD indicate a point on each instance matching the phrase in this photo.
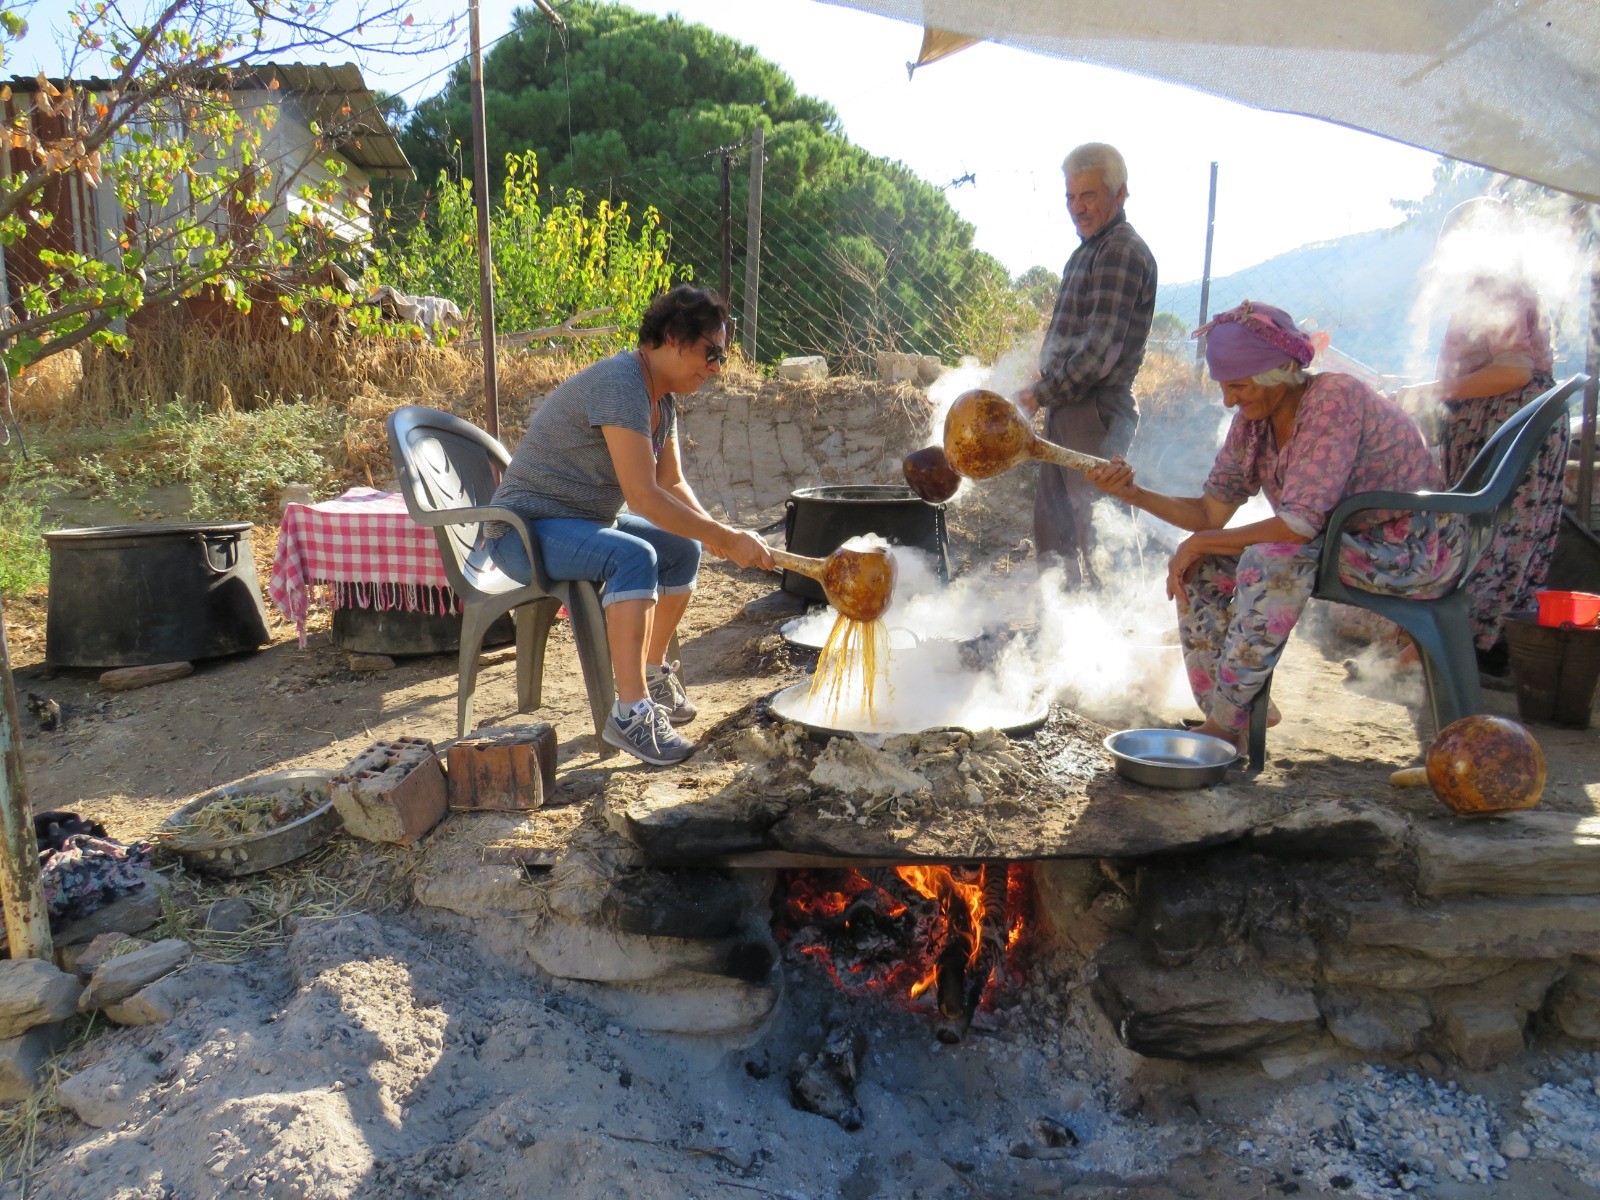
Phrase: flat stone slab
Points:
(1515, 927)
(765, 794)
(1521, 854)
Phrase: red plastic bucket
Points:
(1568, 608)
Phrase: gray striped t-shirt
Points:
(562, 467)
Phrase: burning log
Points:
(972, 954)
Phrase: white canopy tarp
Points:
(1513, 85)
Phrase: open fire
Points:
(939, 937)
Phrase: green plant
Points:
(24, 560)
(235, 464)
(549, 263)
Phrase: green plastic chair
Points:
(1439, 625)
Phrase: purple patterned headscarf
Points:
(1253, 338)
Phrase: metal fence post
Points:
(752, 245)
(726, 279)
(1205, 274)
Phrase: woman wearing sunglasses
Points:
(606, 437)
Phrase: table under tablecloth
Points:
(364, 549)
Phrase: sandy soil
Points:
(372, 1056)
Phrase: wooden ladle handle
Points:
(800, 564)
(1062, 457)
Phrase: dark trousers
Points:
(1103, 424)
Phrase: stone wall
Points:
(1351, 933)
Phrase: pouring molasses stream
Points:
(984, 435)
(857, 582)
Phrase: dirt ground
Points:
(458, 1076)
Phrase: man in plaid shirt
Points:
(1091, 353)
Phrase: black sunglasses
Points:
(716, 355)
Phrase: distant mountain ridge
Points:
(1360, 288)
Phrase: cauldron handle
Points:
(230, 546)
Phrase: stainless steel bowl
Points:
(1170, 758)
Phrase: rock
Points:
(23, 1055)
(1514, 927)
(1574, 1004)
(131, 913)
(1478, 1034)
(1184, 912)
(125, 679)
(1521, 854)
(85, 959)
(691, 1004)
(1385, 967)
(679, 904)
(852, 767)
(825, 1082)
(674, 824)
(478, 890)
(811, 366)
(120, 977)
(1340, 828)
(230, 915)
(32, 993)
(591, 952)
(1209, 1010)
(1514, 1145)
(1375, 1022)
(163, 999)
(371, 662)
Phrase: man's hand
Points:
(1115, 478)
(1028, 400)
(745, 549)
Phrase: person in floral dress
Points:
(1497, 358)
(1307, 441)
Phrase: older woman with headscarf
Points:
(1308, 441)
(1497, 357)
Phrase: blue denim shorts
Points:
(632, 559)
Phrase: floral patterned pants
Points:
(1518, 559)
(1242, 608)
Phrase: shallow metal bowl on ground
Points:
(790, 703)
(1170, 758)
(248, 853)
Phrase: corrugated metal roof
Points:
(336, 98)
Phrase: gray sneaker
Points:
(648, 736)
(666, 689)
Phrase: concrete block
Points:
(796, 370)
(504, 769)
(394, 791)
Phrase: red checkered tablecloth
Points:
(365, 549)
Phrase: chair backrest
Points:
(1499, 468)
(445, 463)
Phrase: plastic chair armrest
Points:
(476, 516)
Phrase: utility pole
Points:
(726, 279)
(752, 244)
(480, 194)
(1591, 393)
(1205, 273)
(21, 888)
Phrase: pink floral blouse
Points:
(1497, 318)
(1347, 439)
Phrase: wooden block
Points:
(501, 769)
(125, 679)
(394, 791)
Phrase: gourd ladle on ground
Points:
(857, 582)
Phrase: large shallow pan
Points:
(790, 702)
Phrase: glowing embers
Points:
(937, 938)
(853, 662)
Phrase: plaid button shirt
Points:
(1102, 316)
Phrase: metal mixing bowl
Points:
(1170, 758)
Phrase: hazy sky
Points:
(1008, 118)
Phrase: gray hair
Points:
(1291, 373)
(1097, 156)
